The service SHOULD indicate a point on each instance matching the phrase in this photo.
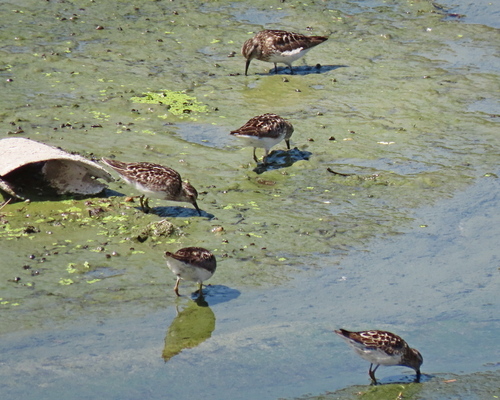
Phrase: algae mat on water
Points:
(383, 106)
(177, 103)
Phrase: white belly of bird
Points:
(143, 189)
(288, 57)
(261, 142)
(187, 272)
(379, 356)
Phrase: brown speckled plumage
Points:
(278, 47)
(154, 179)
(265, 131)
(382, 348)
(193, 264)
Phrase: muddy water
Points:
(405, 100)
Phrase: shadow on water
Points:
(217, 294)
(214, 294)
(164, 211)
(403, 379)
(303, 70)
(175, 211)
(282, 159)
(195, 320)
(111, 193)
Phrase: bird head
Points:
(190, 195)
(250, 50)
(414, 361)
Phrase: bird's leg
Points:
(287, 141)
(264, 159)
(176, 287)
(144, 203)
(275, 68)
(417, 378)
(254, 156)
(372, 373)
(200, 292)
(291, 69)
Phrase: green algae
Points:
(398, 113)
(481, 385)
(391, 391)
(176, 102)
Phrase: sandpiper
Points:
(192, 264)
(278, 47)
(382, 348)
(265, 131)
(155, 180)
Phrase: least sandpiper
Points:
(265, 131)
(278, 47)
(191, 264)
(382, 348)
(155, 180)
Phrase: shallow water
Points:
(435, 284)
(406, 243)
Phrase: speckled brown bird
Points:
(265, 131)
(155, 180)
(382, 348)
(278, 47)
(191, 264)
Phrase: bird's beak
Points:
(197, 208)
(247, 65)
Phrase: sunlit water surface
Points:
(406, 100)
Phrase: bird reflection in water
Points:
(192, 326)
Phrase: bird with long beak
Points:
(278, 47)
